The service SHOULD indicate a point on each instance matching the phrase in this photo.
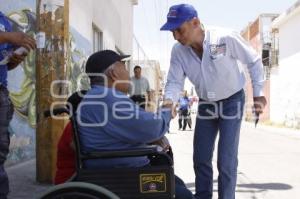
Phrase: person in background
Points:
(210, 59)
(139, 88)
(9, 41)
(183, 111)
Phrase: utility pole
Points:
(51, 66)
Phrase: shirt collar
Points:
(111, 89)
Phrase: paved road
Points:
(269, 165)
(269, 161)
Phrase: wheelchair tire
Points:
(78, 190)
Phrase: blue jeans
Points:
(6, 112)
(224, 116)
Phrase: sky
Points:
(150, 15)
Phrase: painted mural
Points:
(21, 80)
(80, 48)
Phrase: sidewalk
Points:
(22, 181)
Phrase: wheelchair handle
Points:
(56, 111)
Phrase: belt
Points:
(237, 93)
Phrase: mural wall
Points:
(21, 80)
(80, 48)
(21, 83)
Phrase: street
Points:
(268, 164)
(268, 161)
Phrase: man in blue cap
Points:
(8, 60)
(209, 58)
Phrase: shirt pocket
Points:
(221, 61)
(221, 66)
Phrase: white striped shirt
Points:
(218, 75)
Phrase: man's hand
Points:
(20, 39)
(15, 60)
(167, 103)
(259, 104)
(163, 143)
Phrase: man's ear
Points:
(112, 74)
(195, 22)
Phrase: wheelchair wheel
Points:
(78, 190)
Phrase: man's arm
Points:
(242, 51)
(133, 124)
(163, 143)
(175, 82)
(18, 39)
(168, 104)
(175, 79)
(15, 60)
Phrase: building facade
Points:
(258, 34)
(285, 81)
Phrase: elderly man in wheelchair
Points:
(112, 136)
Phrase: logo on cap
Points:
(172, 14)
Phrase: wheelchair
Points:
(149, 182)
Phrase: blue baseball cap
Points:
(178, 14)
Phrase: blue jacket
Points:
(184, 103)
(110, 120)
(5, 48)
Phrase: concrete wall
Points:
(124, 32)
(114, 18)
(289, 39)
(285, 95)
(285, 81)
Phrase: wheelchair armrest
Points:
(148, 150)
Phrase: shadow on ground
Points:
(253, 187)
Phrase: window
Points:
(97, 39)
(275, 48)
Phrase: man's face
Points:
(120, 77)
(137, 72)
(185, 33)
(185, 93)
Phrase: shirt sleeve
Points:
(176, 77)
(132, 124)
(242, 51)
